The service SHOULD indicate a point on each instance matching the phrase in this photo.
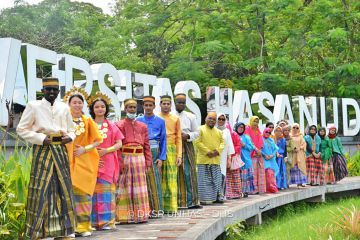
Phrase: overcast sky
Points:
(104, 4)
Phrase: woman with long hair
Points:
(103, 200)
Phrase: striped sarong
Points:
(153, 179)
(247, 180)
(132, 201)
(103, 205)
(233, 184)
(281, 177)
(83, 206)
(187, 178)
(340, 168)
(259, 175)
(209, 181)
(296, 176)
(329, 177)
(49, 209)
(314, 170)
(169, 185)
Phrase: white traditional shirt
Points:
(228, 149)
(40, 119)
(188, 124)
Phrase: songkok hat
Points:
(50, 82)
(130, 101)
(165, 98)
(180, 96)
(149, 99)
(212, 114)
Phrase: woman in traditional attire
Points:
(281, 178)
(228, 149)
(84, 160)
(103, 200)
(246, 171)
(338, 158)
(286, 129)
(257, 161)
(314, 166)
(326, 155)
(296, 149)
(268, 152)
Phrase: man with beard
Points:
(48, 125)
(210, 145)
(187, 178)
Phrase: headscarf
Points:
(322, 136)
(237, 125)
(266, 130)
(331, 136)
(312, 134)
(277, 138)
(217, 121)
(283, 129)
(252, 119)
(295, 132)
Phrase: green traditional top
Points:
(325, 149)
(336, 146)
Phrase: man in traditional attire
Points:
(132, 204)
(173, 156)
(187, 178)
(48, 125)
(210, 145)
(157, 139)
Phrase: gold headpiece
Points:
(75, 90)
(129, 101)
(99, 96)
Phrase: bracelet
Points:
(88, 147)
(110, 149)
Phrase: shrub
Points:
(353, 164)
(348, 221)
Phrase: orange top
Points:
(84, 169)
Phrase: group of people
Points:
(90, 173)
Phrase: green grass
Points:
(302, 221)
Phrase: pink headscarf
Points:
(267, 130)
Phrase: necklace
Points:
(103, 129)
(79, 126)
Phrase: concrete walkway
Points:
(210, 221)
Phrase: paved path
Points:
(207, 223)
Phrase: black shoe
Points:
(195, 207)
(219, 201)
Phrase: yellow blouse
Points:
(83, 169)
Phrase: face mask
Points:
(131, 115)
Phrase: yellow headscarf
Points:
(252, 119)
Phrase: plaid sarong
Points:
(169, 185)
(153, 179)
(187, 178)
(103, 205)
(340, 168)
(247, 180)
(296, 176)
(314, 170)
(83, 206)
(233, 184)
(209, 180)
(329, 172)
(132, 201)
(49, 209)
(259, 174)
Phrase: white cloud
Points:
(103, 4)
